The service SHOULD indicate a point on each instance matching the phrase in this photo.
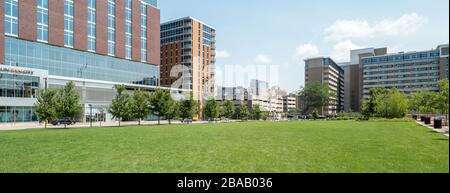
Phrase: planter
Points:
(438, 123)
(422, 118)
(427, 120)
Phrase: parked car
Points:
(187, 121)
(63, 121)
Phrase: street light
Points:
(90, 116)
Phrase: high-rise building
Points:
(326, 71)
(188, 57)
(407, 72)
(97, 44)
(353, 79)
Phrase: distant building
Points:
(353, 78)
(326, 71)
(289, 102)
(407, 72)
(188, 45)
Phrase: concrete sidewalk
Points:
(36, 125)
(443, 131)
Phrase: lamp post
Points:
(90, 116)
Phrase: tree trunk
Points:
(159, 120)
(170, 122)
(45, 124)
(65, 126)
(119, 122)
(139, 121)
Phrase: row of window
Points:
(408, 70)
(401, 57)
(12, 13)
(402, 81)
(17, 114)
(436, 74)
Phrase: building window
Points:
(143, 32)
(42, 20)
(111, 27)
(128, 29)
(91, 25)
(11, 17)
(68, 23)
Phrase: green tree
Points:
(228, 109)
(121, 104)
(243, 112)
(159, 102)
(442, 98)
(188, 108)
(315, 96)
(139, 105)
(256, 111)
(211, 109)
(368, 106)
(67, 102)
(45, 105)
(173, 110)
(392, 105)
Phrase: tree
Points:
(243, 112)
(120, 106)
(442, 103)
(173, 110)
(45, 105)
(67, 102)
(188, 108)
(368, 106)
(140, 105)
(315, 95)
(256, 111)
(211, 109)
(228, 109)
(392, 105)
(158, 103)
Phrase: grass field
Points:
(332, 146)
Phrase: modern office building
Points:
(326, 71)
(95, 43)
(407, 72)
(353, 78)
(188, 57)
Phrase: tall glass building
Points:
(95, 43)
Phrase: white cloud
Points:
(359, 29)
(222, 54)
(341, 51)
(305, 51)
(263, 59)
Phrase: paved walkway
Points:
(36, 125)
(443, 131)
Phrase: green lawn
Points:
(333, 146)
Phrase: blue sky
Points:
(254, 34)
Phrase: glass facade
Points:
(18, 86)
(68, 23)
(152, 2)
(77, 64)
(12, 17)
(128, 28)
(143, 32)
(91, 25)
(42, 20)
(111, 27)
(16, 114)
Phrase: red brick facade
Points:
(2, 32)
(28, 28)
(27, 19)
(80, 24)
(136, 31)
(120, 28)
(153, 35)
(102, 27)
(56, 22)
